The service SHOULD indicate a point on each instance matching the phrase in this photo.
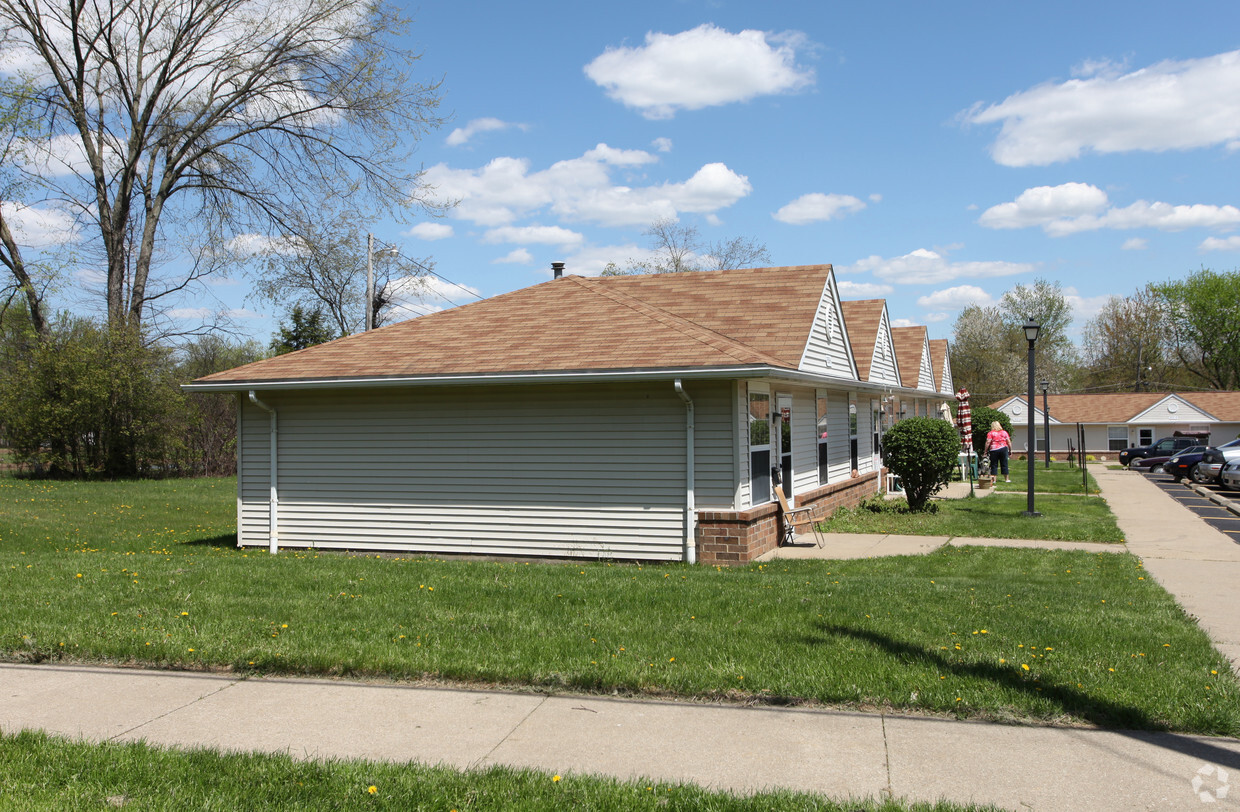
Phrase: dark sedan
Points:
(1184, 464)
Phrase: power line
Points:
(433, 273)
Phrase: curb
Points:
(1218, 499)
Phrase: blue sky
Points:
(935, 154)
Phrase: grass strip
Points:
(38, 771)
(145, 573)
(1059, 478)
(999, 516)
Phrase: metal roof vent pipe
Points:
(557, 270)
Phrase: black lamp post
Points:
(1031, 329)
(1046, 423)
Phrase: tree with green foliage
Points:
(304, 329)
(982, 417)
(990, 354)
(1125, 348)
(208, 420)
(923, 452)
(1201, 315)
(91, 400)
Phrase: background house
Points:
(1113, 422)
(644, 417)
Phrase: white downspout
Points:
(690, 507)
(274, 502)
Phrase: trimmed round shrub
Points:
(923, 452)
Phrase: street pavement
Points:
(839, 754)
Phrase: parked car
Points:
(1165, 447)
(1230, 475)
(1184, 464)
(1151, 465)
(1215, 458)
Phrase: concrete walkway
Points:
(839, 754)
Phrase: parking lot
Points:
(1214, 514)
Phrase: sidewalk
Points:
(839, 754)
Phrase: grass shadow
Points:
(225, 542)
(1123, 719)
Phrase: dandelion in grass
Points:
(372, 789)
(1024, 666)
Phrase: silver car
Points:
(1211, 466)
(1230, 475)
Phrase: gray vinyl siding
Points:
(838, 453)
(593, 471)
(1159, 413)
(253, 474)
(714, 456)
(925, 374)
(883, 364)
(804, 441)
(865, 436)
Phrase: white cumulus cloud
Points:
(1084, 308)
(1173, 105)
(703, 67)
(817, 207)
(527, 235)
(862, 290)
(1220, 244)
(956, 298)
(517, 256)
(39, 226)
(582, 189)
(1075, 207)
(927, 267)
(430, 231)
(1135, 244)
(463, 135)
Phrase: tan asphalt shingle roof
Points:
(938, 361)
(750, 316)
(862, 319)
(1124, 406)
(909, 343)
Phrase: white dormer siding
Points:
(883, 368)
(827, 351)
(1173, 409)
(948, 385)
(925, 374)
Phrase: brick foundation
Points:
(740, 536)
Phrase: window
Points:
(1039, 439)
(760, 447)
(876, 426)
(852, 429)
(821, 432)
(1117, 438)
(1145, 436)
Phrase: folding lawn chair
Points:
(795, 519)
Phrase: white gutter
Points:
(690, 507)
(274, 502)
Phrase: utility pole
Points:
(370, 282)
(1139, 365)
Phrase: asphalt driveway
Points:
(1215, 515)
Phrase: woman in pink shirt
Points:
(999, 444)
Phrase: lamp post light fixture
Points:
(1046, 423)
(1031, 329)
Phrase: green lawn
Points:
(1000, 515)
(146, 572)
(1059, 478)
(51, 773)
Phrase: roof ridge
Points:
(686, 327)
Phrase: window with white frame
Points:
(759, 447)
(876, 423)
(1039, 438)
(821, 432)
(1117, 438)
(852, 428)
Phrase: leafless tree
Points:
(237, 113)
(678, 248)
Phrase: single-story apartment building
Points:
(1116, 421)
(630, 417)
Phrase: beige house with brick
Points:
(631, 417)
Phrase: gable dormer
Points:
(940, 359)
(828, 351)
(913, 357)
(1173, 409)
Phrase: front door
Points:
(783, 416)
